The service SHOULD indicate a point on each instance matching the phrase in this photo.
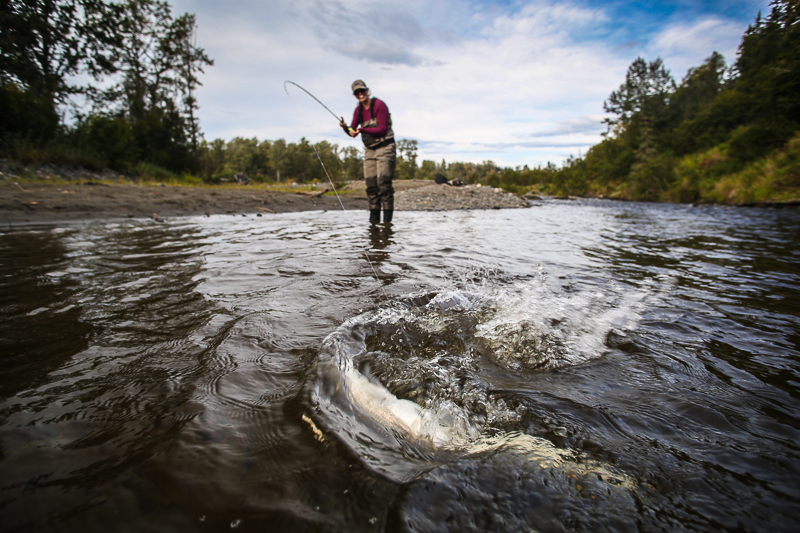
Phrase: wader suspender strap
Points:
(361, 111)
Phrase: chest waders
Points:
(380, 157)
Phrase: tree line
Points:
(728, 134)
(126, 72)
(302, 162)
(723, 133)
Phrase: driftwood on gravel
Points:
(314, 194)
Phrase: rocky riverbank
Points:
(93, 197)
(447, 198)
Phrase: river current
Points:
(575, 366)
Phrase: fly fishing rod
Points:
(366, 255)
(340, 119)
(363, 248)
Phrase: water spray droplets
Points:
(535, 328)
(428, 353)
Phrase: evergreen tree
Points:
(43, 43)
(646, 88)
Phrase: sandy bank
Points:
(48, 203)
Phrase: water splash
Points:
(407, 380)
(534, 328)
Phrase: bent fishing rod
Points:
(363, 248)
(340, 119)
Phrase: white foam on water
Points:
(442, 425)
(522, 326)
(535, 328)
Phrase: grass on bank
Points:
(712, 177)
(149, 175)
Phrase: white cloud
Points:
(382, 34)
(686, 45)
(521, 74)
(519, 85)
(588, 125)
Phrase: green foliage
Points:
(769, 63)
(699, 88)
(711, 125)
(158, 63)
(151, 172)
(645, 91)
(705, 139)
(279, 161)
(109, 140)
(351, 163)
(428, 170)
(25, 116)
(757, 139)
(45, 42)
(147, 113)
(406, 168)
(242, 155)
(775, 178)
(695, 174)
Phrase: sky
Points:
(515, 82)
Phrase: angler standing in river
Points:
(372, 120)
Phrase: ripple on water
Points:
(409, 382)
(578, 365)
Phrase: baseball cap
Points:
(358, 84)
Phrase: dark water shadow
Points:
(39, 327)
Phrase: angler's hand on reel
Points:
(348, 130)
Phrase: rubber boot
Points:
(374, 216)
(387, 215)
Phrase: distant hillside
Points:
(729, 135)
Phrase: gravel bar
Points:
(447, 198)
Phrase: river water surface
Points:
(574, 366)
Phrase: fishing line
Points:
(285, 88)
(363, 247)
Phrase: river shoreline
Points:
(47, 202)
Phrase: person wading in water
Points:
(372, 120)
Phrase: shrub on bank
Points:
(775, 178)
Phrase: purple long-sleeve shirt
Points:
(378, 110)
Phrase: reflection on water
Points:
(573, 366)
(380, 243)
(36, 310)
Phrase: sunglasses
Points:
(359, 92)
